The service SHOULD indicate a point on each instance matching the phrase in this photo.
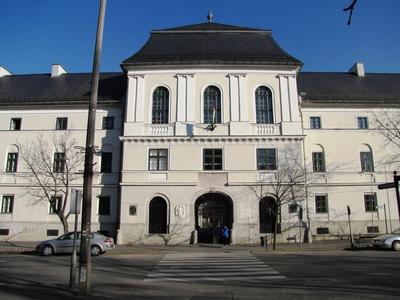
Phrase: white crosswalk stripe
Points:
(215, 267)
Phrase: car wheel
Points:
(47, 250)
(95, 250)
(396, 245)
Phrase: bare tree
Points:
(52, 169)
(350, 8)
(285, 185)
(388, 124)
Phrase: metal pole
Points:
(85, 264)
(384, 211)
(351, 235)
(396, 183)
(72, 278)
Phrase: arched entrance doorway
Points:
(213, 211)
(269, 212)
(158, 216)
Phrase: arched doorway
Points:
(269, 212)
(213, 211)
(158, 216)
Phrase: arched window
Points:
(212, 105)
(269, 212)
(158, 216)
(318, 159)
(12, 159)
(264, 110)
(160, 108)
(366, 159)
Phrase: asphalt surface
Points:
(210, 273)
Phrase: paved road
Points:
(210, 275)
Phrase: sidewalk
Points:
(333, 245)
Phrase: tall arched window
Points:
(264, 110)
(158, 216)
(160, 108)
(212, 105)
(366, 159)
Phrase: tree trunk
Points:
(275, 232)
(64, 222)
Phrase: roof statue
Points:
(210, 16)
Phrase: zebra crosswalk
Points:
(212, 267)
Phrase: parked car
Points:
(391, 240)
(64, 244)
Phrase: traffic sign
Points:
(389, 185)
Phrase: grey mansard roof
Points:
(347, 88)
(211, 44)
(66, 89)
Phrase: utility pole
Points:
(85, 263)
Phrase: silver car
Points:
(390, 241)
(64, 244)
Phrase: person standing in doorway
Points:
(225, 236)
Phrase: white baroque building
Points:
(199, 116)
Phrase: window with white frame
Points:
(62, 123)
(12, 162)
(15, 124)
(160, 106)
(318, 160)
(362, 122)
(266, 159)
(315, 122)
(321, 204)
(158, 159)
(59, 162)
(367, 163)
(55, 205)
(264, 110)
(370, 202)
(7, 203)
(212, 159)
(212, 105)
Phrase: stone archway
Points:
(212, 212)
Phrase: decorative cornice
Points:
(209, 140)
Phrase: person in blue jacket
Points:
(225, 235)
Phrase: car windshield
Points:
(397, 231)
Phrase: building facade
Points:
(209, 123)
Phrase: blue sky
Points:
(35, 34)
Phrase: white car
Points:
(390, 241)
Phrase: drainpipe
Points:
(309, 235)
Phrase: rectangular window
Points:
(15, 124)
(55, 205)
(59, 162)
(158, 159)
(315, 122)
(4, 231)
(266, 159)
(321, 204)
(52, 232)
(370, 202)
(362, 122)
(108, 123)
(212, 159)
(367, 163)
(373, 229)
(7, 204)
(318, 160)
(12, 162)
(292, 208)
(61, 123)
(106, 162)
(104, 206)
(322, 230)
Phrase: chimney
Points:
(57, 70)
(358, 69)
(4, 72)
